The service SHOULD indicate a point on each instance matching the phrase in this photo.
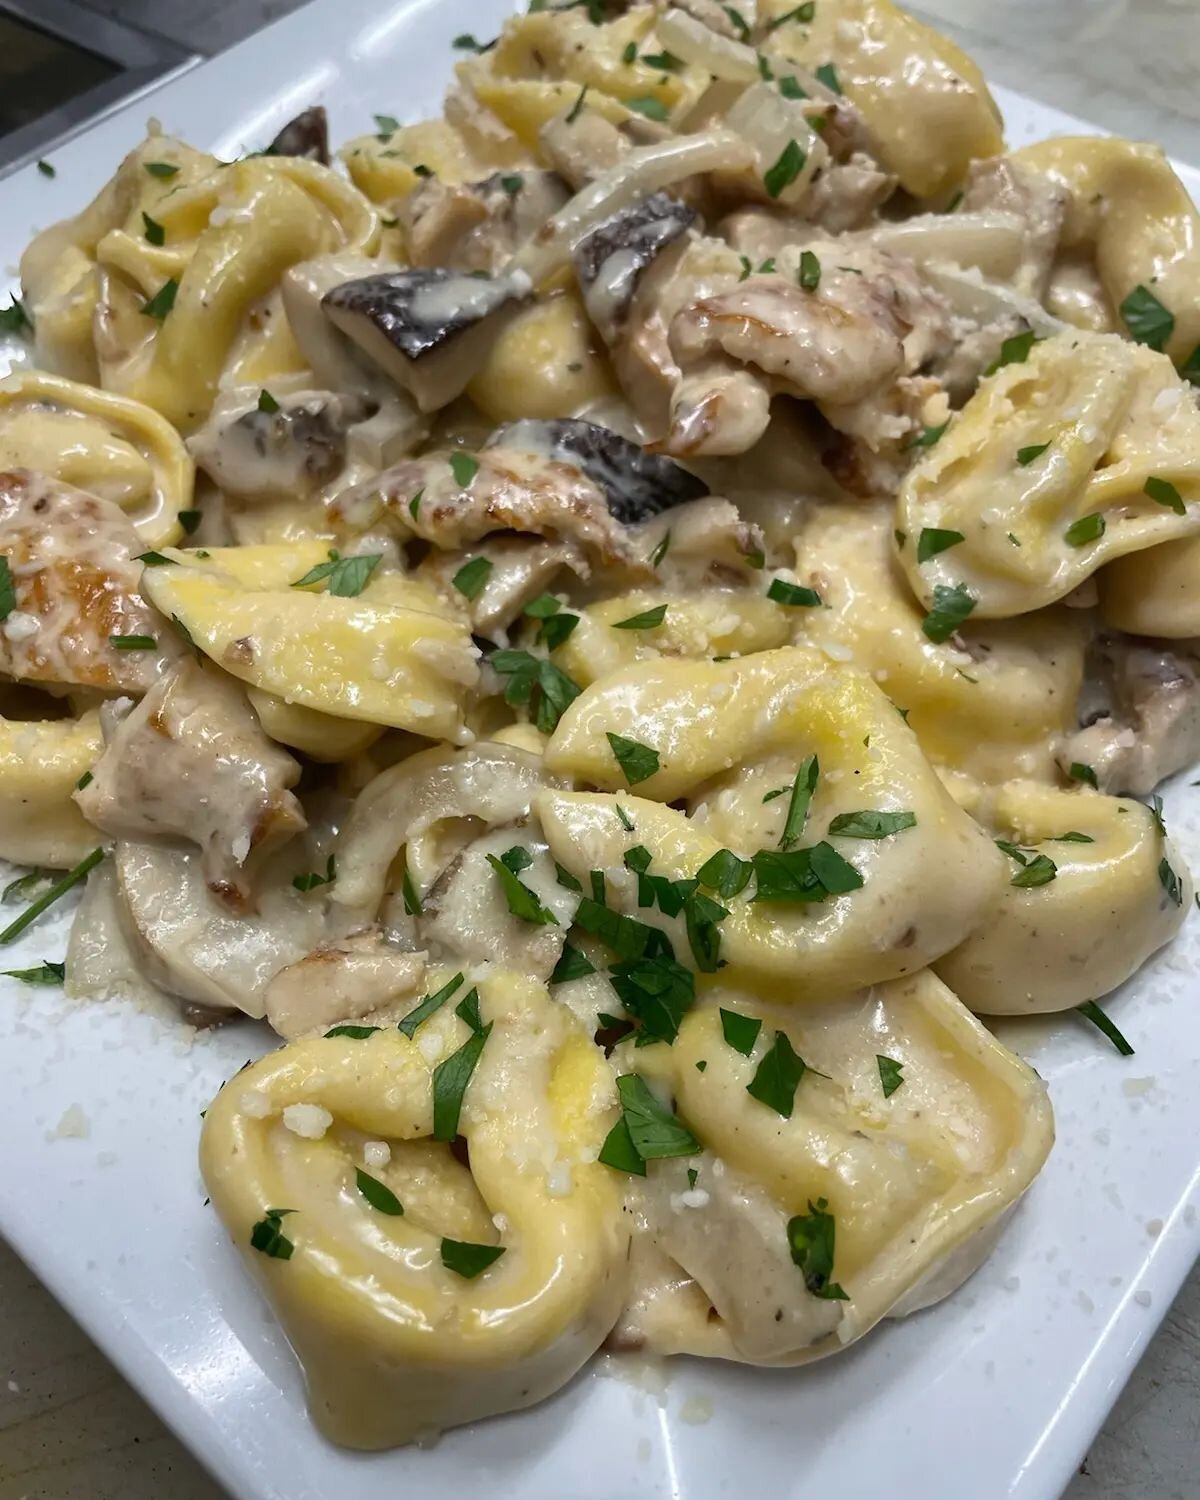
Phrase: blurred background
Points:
(70, 1428)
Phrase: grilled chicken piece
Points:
(709, 543)
(295, 449)
(1141, 713)
(507, 490)
(191, 762)
(361, 975)
(79, 619)
(479, 226)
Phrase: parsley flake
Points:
(1147, 320)
(890, 1074)
(777, 1077)
(347, 576)
(638, 762)
(654, 1132)
(537, 684)
(472, 576)
(267, 1235)
(522, 902)
(951, 606)
(1164, 493)
(811, 1239)
(741, 1032)
(793, 593)
(803, 788)
(163, 300)
(1092, 1012)
(450, 1080)
(809, 275)
(464, 468)
(378, 1194)
(468, 1260)
(46, 973)
(154, 232)
(1013, 351)
(1086, 529)
(426, 1007)
(934, 539)
(871, 825)
(649, 619)
(785, 169)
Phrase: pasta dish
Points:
(618, 622)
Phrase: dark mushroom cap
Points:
(636, 484)
(307, 135)
(645, 230)
(418, 310)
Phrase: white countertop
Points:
(70, 1427)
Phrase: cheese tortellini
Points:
(615, 623)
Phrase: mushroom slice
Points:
(397, 1339)
(453, 499)
(79, 620)
(190, 761)
(519, 568)
(1141, 720)
(307, 135)
(610, 259)
(636, 484)
(360, 975)
(294, 447)
(430, 329)
(191, 945)
(411, 803)
(895, 1182)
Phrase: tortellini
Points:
(420, 1293)
(726, 736)
(1095, 887)
(382, 657)
(908, 1175)
(114, 448)
(1084, 451)
(990, 702)
(1155, 592)
(41, 763)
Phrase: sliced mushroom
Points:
(703, 542)
(520, 568)
(294, 446)
(635, 483)
(80, 620)
(193, 946)
(1141, 713)
(453, 503)
(610, 259)
(1038, 203)
(191, 761)
(407, 806)
(360, 975)
(467, 913)
(429, 329)
(307, 135)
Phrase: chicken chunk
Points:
(480, 225)
(454, 500)
(1038, 201)
(79, 619)
(361, 975)
(191, 762)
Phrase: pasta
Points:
(618, 623)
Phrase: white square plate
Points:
(996, 1392)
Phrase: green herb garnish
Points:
(378, 1194)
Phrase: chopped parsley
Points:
(522, 902)
(190, 519)
(725, 873)
(8, 593)
(827, 73)
(577, 108)
(1164, 493)
(464, 468)
(638, 762)
(378, 1194)
(268, 1236)
(657, 992)
(660, 551)
(1170, 881)
(14, 318)
(467, 43)
(741, 1032)
(1190, 368)
(153, 230)
(811, 1239)
(46, 973)
(1014, 351)
(314, 878)
(386, 126)
(1072, 838)
(468, 1260)
(1040, 870)
(1086, 529)
(450, 1080)
(1147, 320)
(163, 300)
(785, 169)
(1025, 456)
(536, 684)
(803, 12)
(738, 21)
(803, 788)
(426, 1007)
(412, 901)
(347, 576)
(803, 874)
(1079, 772)
(926, 439)
(793, 593)
(1092, 1012)
(629, 54)
(467, 1010)
(871, 825)
(789, 87)
(512, 184)
(951, 606)
(647, 105)
(934, 539)
(161, 169)
(777, 1076)
(809, 275)
(132, 642)
(649, 619)
(414, 505)
(267, 402)
(571, 965)
(891, 1075)
(353, 1033)
(472, 576)
(654, 1132)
